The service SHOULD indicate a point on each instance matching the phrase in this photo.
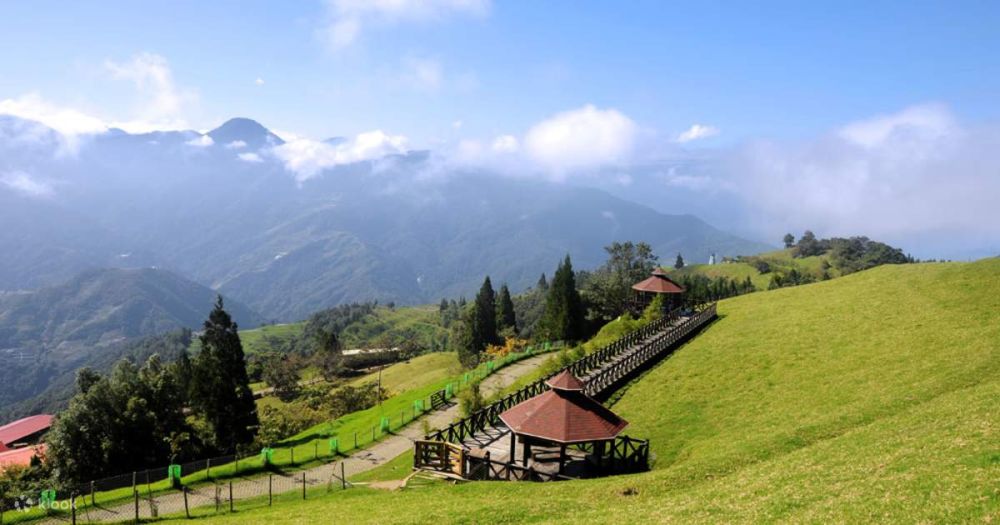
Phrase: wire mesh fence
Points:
(207, 498)
(153, 492)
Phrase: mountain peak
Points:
(248, 131)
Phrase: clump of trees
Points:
(138, 417)
(607, 289)
(564, 309)
(703, 289)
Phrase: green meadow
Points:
(869, 398)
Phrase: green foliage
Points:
(122, 422)
(220, 386)
(870, 398)
(678, 262)
(506, 317)
(608, 289)
(564, 317)
(470, 399)
(788, 240)
(281, 373)
(484, 320)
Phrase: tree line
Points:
(136, 417)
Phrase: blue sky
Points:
(779, 70)
(877, 118)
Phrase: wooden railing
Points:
(490, 415)
(608, 376)
(439, 456)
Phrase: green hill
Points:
(776, 262)
(872, 397)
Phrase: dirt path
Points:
(375, 455)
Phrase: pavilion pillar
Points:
(513, 448)
(525, 452)
(562, 457)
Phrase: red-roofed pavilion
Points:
(657, 284)
(562, 416)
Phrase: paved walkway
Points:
(375, 455)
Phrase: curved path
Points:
(373, 456)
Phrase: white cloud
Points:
(307, 158)
(926, 122)
(696, 132)
(24, 183)
(896, 176)
(202, 141)
(457, 124)
(259, 81)
(236, 144)
(162, 103)
(505, 144)
(346, 20)
(424, 74)
(64, 120)
(581, 139)
(250, 157)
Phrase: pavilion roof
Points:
(563, 415)
(658, 282)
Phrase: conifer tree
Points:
(220, 385)
(484, 321)
(679, 262)
(505, 310)
(563, 319)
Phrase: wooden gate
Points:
(439, 456)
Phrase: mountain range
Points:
(222, 210)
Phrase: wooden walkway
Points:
(495, 439)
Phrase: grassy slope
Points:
(780, 261)
(871, 397)
(419, 371)
(421, 323)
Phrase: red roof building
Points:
(564, 415)
(25, 431)
(561, 416)
(20, 456)
(658, 282)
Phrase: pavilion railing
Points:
(651, 340)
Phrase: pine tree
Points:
(563, 319)
(505, 310)
(679, 263)
(543, 283)
(484, 326)
(220, 386)
(789, 240)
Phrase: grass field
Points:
(781, 261)
(420, 324)
(422, 370)
(870, 398)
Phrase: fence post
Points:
(208, 468)
(218, 498)
(72, 508)
(230, 495)
(136, 494)
(292, 450)
(343, 479)
(303, 485)
(92, 492)
(270, 493)
(187, 511)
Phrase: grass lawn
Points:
(421, 370)
(869, 398)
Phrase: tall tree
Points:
(506, 318)
(484, 327)
(789, 240)
(563, 319)
(679, 262)
(220, 386)
(607, 290)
